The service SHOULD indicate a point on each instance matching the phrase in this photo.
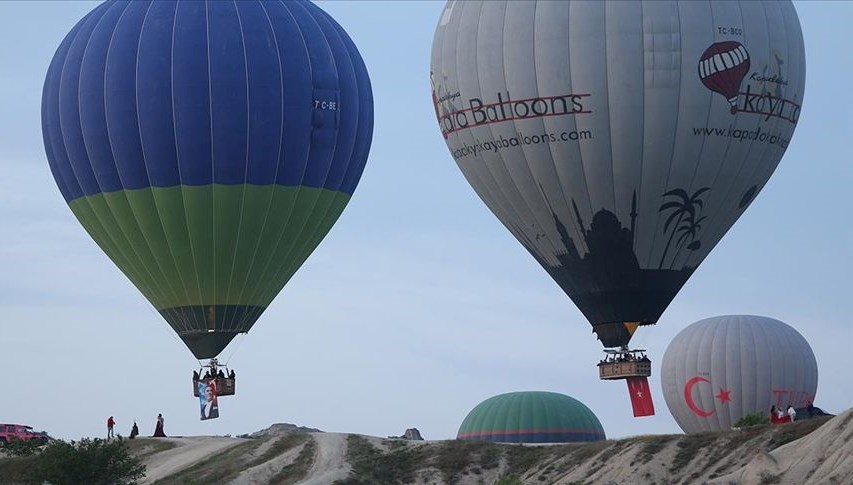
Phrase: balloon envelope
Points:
(531, 417)
(618, 141)
(720, 369)
(207, 147)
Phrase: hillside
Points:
(813, 451)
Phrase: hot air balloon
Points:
(601, 134)
(720, 369)
(207, 147)
(531, 417)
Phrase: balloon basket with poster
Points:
(225, 381)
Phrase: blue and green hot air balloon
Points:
(207, 147)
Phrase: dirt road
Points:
(187, 452)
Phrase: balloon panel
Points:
(207, 147)
(720, 369)
(602, 137)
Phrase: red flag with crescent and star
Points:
(641, 396)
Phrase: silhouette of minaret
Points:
(567, 241)
(633, 217)
(578, 217)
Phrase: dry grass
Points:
(786, 433)
(218, 468)
(281, 446)
(296, 471)
(142, 448)
(689, 446)
(371, 466)
(651, 445)
(453, 458)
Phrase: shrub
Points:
(88, 461)
(16, 447)
(371, 466)
(754, 419)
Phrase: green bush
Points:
(754, 419)
(16, 447)
(96, 462)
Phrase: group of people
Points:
(134, 431)
(219, 373)
(779, 415)
(624, 358)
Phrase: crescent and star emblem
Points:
(724, 396)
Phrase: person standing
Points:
(158, 428)
(134, 431)
(110, 424)
(792, 413)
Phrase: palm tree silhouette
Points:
(685, 206)
(689, 228)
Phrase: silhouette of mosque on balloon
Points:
(606, 282)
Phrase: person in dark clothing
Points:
(134, 432)
(158, 428)
(220, 374)
(232, 375)
(195, 375)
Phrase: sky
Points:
(418, 305)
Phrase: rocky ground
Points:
(817, 451)
(813, 451)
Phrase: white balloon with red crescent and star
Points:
(720, 369)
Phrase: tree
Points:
(96, 462)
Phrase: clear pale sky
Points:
(418, 304)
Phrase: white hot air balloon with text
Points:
(618, 141)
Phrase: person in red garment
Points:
(158, 428)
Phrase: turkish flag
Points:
(641, 396)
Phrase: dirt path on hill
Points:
(186, 453)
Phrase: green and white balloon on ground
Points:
(531, 417)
